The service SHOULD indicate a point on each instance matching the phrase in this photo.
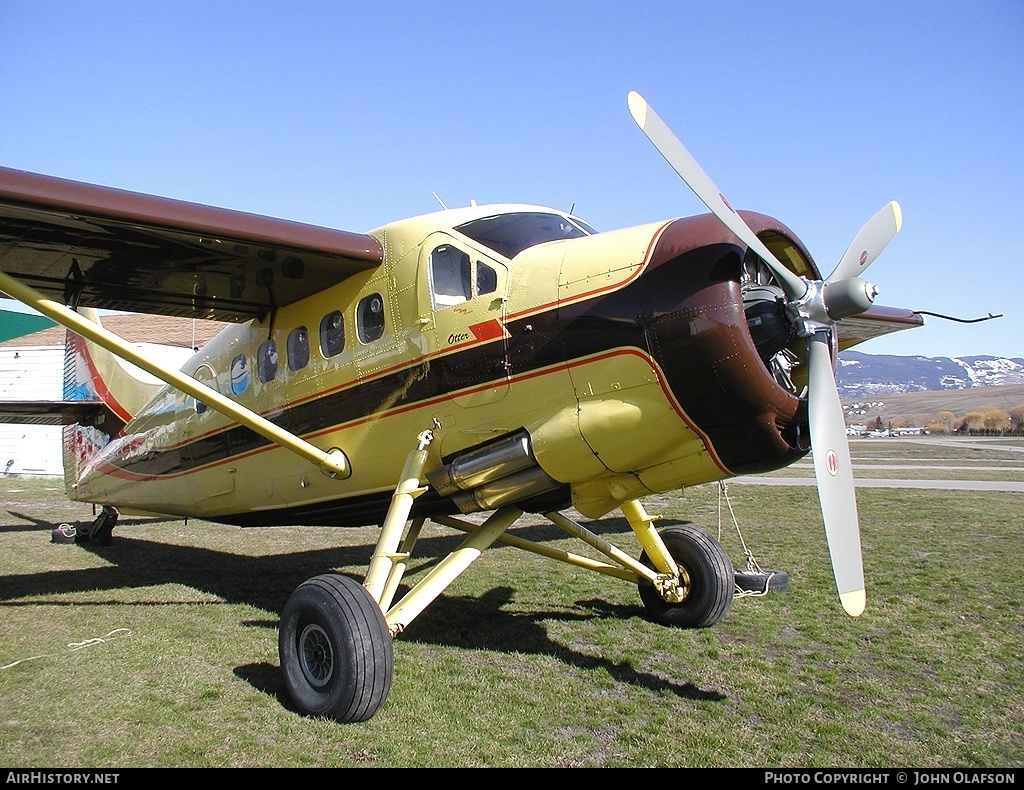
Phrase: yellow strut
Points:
(384, 555)
(446, 571)
(643, 527)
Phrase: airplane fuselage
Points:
(625, 356)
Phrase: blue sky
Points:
(351, 115)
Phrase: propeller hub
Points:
(825, 303)
(848, 297)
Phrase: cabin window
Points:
(449, 275)
(486, 279)
(298, 348)
(370, 318)
(204, 375)
(332, 334)
(266, 361)
(239, 374)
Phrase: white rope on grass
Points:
(97, 640)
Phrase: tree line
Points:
(984, 420)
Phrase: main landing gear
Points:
(335, 636)
(335, 649)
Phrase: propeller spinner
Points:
(814, 307)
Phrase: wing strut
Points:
(333, 462)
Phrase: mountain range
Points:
(868, 375)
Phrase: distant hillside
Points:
(930, 403)
(870, 376)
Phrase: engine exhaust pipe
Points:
(485, 464)
(505, 491)
(495, 474)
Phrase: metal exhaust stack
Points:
(495, 474)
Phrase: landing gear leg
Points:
(333, 641)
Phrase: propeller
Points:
(814, 306)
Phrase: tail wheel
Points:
(711, 576)
(335, 649)
(762, 581)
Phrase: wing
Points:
(94, 246)
(875, 322)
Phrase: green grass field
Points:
(161, 649)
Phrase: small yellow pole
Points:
(405, 494)
(643, 526)
(599, 543)
(333, 461)
(401, 563)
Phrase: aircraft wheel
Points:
(711, 580)
(335, 649)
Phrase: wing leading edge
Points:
(875, 322)
(92, 246)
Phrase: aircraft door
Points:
(463, 297)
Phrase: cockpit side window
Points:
(450, 281)
(486, 279)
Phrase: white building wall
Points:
(31, 373)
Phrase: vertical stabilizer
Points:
(92, 373)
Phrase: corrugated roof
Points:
(134, 328)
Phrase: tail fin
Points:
(93, 374)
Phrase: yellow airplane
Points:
(500, 360)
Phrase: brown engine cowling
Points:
(687, 311)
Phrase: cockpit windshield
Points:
(510, 234)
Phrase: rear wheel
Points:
(762, 582)
(335, 649)
(704, 561)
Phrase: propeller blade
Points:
(834, 474)
(686, 166)
(869, 242)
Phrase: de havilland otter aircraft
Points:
(500, 360)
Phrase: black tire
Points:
(768, 580)
(711, 580)
(335, 649)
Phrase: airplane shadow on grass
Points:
(265, 582)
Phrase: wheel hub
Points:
(674, 589)
(315, 655)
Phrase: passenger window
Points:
(370, 318)
(332, 334)
(486, 279)
(298, 348)
(449, 275)
(266, 361)
(239, 374)
(204, 374)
